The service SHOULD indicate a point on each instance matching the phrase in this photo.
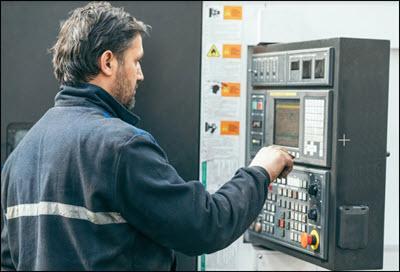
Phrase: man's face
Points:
(128, 74)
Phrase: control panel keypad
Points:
(314, 127)
(293, 210)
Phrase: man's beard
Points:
(122, 90)
(131, 104)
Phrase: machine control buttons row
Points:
(292, 206)
(266, 69)
(295, 237)
(268, 228)
(298, 226)
(271, 196)
(281, 180)
(292, 194)
(298, 216)
(270, 207)
(259, 227)
(269, 218)
(293, 181)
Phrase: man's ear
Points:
(108, 63)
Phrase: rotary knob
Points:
(312, 214)
(313, 189)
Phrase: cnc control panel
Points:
(294, 213)
(325, 102)
(299, 119)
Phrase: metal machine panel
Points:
(296, 205)
(293, 68)
(338, 85)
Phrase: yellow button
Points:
(316, 236)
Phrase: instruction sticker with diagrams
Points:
(221, 111)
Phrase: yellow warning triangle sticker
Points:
(213, 52)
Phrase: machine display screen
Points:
(286, 123)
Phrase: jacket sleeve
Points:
(6, 262)
(182, 215)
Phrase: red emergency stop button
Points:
(304, 239)
(310, 239)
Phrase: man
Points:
(86, 189)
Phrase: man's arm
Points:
(183, 215)
(6, 262)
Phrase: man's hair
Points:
(86, 34)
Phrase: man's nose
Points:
(140, 75)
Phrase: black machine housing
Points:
(336, 192)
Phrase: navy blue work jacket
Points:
(87, 190)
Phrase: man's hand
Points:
(275, 160)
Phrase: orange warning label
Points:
(230, 127)
(231, 51)
(230, 89)
(232, 12)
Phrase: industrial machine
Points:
(325, 101)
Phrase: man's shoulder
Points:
(116, 129)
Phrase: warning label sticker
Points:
(213, 52)
(233, 13)
(230, 127)
(232, 51)
(230, 89)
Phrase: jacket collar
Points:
(90, 95)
